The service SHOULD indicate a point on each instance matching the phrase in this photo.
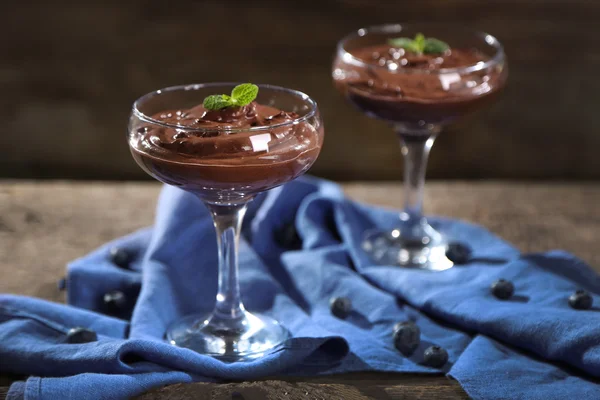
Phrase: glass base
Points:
(410, 246)
(245, 338)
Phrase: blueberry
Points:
(114, 301)
(61, 284)
(407, 337)
(581, 300)
(120, 257)
(502, 289)
(81, 335)
(458, 253)
(340, 306)
(435, 357)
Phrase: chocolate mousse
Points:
(226, 153)
(402, 86)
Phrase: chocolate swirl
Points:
(232, 149)
(402, 86)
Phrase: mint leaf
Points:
(420, 42)
(244, 94)
(414, 48)
(217, 102)
(402, 42)
(241, 95)
(433, 46)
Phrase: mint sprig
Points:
(217, 101)
(241, 95)
(420, 44)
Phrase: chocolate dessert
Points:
(403, 86)
(228, 152)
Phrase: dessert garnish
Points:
(407, 337)
(340, 306)
(581, 300)
(241, 95)
(435, 357)
(458, 253)
(420, 44)
(502, 289)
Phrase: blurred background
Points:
(69, 71)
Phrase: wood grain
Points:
(69, 72)
(356, 386)
(43, 225)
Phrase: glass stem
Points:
(228, 222)
(416, 142)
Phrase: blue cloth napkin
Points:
(300, 247)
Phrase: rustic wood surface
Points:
(71, 70)
(43, 225)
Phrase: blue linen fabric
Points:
(300, 248)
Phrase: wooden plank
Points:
(357, 386)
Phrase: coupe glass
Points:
(226, 169)
(417, 103)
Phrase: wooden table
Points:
(43, 225)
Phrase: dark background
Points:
(69, 72)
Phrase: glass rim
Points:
(196, 86)
(390, 28)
